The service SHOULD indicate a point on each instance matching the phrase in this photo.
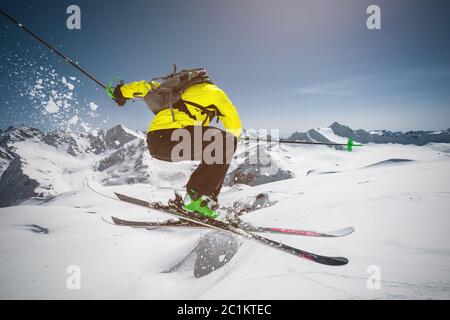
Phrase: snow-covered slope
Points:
(399, 209)
(38, 165)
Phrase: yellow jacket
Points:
(203, 94)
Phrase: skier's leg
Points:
(212, 146)
(217, 149)
(160, 144)
(208, 178)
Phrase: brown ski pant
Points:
(209, 176)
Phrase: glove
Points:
(117, 95)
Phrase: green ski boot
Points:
(200, 204)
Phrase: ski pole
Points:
(52, 49)
(350, 144)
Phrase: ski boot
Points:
(201, 204)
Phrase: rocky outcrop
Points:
(213, 251)
(251, 174)
(77, 143)
(126, 165)
(15, 185)
(258, 173)
(21, 133)
(118, 136)
(10, 136)
(124, 154)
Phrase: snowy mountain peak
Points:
(342, 130)
(337, 132)
(18, 134)
(119, 135)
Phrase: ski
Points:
(243, 225)
(173, 209)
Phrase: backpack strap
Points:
(180, 105)
(211, 110)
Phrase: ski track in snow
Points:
(399, 210)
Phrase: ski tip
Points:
(342, 261)
(325, 260)
(333, 261)
(341, 232)
(115, 220)
(349, 230)
(119, 195)
(125, 198)
(109, 220)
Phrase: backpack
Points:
(168, 94)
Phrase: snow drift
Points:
(399, 210)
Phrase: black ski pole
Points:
(52, 48)
(350, 144)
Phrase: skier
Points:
(188, 101)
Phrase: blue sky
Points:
(288, 64)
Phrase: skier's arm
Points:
(230, 119)
(132, 90)
(136, 89)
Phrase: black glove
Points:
(118, 97)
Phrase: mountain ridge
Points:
(418, 137)
(34, 164)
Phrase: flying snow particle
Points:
(51, 106)
(69, 85)
(72, 121)
(85, 126)
(93, 106)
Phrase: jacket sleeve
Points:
(137, 89)
(230, 119)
